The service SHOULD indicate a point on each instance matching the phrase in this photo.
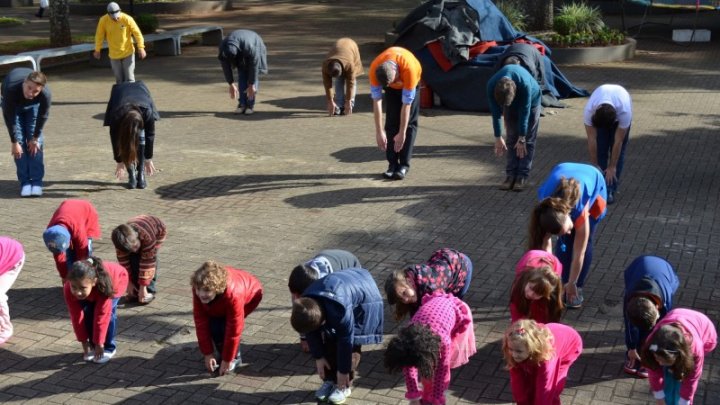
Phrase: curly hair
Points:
(414, 346)
(210, 276)
(396, 279)
(669, 344)
(538, 340)
(504, 91)
(642, 312)
(545, 283)
(92, 268)
(307, 315)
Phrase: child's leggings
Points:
(6, 281)
(671, 387)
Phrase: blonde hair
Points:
(210, 276)
(538, 340)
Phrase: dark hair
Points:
(38, 78)
(129, 129)
(414, 346)
(383, 73)
(505, 91)
(301, 277)
(642, 312)
(90, 268)
(669, 343)
(125, 238)
(335, 68)
(546, 218)
(547, 285)
(605, 116)
(307, 315)
(511, 60)
(401, 309)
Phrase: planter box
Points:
(186, 7)
(601, 54)
(688, 35)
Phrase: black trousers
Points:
(393, 105)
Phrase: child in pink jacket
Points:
(537, 290)
(12, 259)
(539, 358)
(440, 337)
(674, 353)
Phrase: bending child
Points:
(674, 354)
(440, 337)
(92, 291)
(339, 313)
(447, 270)
(537, 290)
(12, 259)
(325, 262)
(539, 358)
(222, 298)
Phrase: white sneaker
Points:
(249, 111)
(325, 389)
(339, 395)
(106, 357)
(36, 191)
(89, 356)
(240, 110)
(26, 191)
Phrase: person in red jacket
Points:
(70, 233)
(92, 291)
(539, 358)
(222, 298)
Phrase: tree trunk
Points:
(60, 23)
(541, 17)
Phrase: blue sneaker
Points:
(577, 301)
(325, 390)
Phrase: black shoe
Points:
(508, 183)
(141, 183)
(520, 184)
(400, 174)
(611, 198)
(388, 174)
(132, 180)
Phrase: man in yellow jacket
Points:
(119, 29)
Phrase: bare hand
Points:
(381, 139)
(520, 150)
(33, 147)
(348, 108)
(99, 352)
(251, 92)
(331, 107)
(633, 354)
(120, 171)
(234, 92)
(571, 291)
(399, 142)
(142, 53)
(210, 363)
(96, 54)
(343, 380)
(321, 365)
(610, 177)
(86, 347)
(500, 147)
(304, 346)
(142, 292)
(149, 167)
(224, 366)
(16, 150)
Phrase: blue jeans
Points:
(30, 169)
(340, 92)
(468, 278)
(70, 255)
(88, 308)
(605, 141)
(516, 167)
(564, 253)
(243, 86)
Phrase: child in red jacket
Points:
(92, 291)
(222, 298)
(70, 233)
(539, 358)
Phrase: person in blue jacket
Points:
(514, 94)
(245, 51)
(338, 314)
(650, 283)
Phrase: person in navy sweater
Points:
(650, 283)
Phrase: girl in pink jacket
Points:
(539, 357)
(674, 353)
(12, 259)
(537, 290)
(440, 337)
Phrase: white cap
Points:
(113, 8)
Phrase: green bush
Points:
(147, 23)
(578, 18)
(604, 37)
(10, 21)
(515, 13)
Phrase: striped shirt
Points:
(151, 233)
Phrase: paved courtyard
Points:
(265, 192)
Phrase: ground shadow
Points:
(54, 189)
(364, 154)
(261, 115)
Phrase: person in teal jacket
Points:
(514, 94)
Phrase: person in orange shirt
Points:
(398, 72)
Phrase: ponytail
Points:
(92, 268)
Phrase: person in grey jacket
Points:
(245, 51)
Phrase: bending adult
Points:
(245, 51)
(572, 203)
(131, 116)
(342, 65)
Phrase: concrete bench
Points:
(165, 44)
(40, 54)
(211, 35)
(10, 59)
